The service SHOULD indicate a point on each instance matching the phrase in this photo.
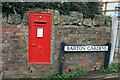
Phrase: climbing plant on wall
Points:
(89, 9)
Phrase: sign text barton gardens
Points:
(86, 48)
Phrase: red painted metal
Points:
(39, 47)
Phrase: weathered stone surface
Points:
(17, 19)
(99, 20)
(14, 18)
(75, 21)
(87, 22)
(11, 18)
(108, 21)
(55, 15)
(64, 19)
(76, 14)
(95, 22)
(35, 10)
(76, 18)
(25, 18)
(4, 18)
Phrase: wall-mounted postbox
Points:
(39, 38)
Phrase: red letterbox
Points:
(39, 38)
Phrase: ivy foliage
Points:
(89, 9)
(111, 68)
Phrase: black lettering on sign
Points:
(86, 48)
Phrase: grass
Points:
(73, 74)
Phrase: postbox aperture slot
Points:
(40, 22)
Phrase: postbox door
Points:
(39, 38)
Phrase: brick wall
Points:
(74, 35)
(15, 50)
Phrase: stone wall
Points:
(73, 29)
(74, 18)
